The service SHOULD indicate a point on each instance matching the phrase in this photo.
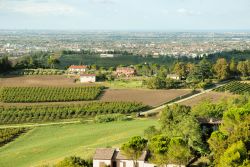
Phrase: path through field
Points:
(158, 109)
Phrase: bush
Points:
(110, 118)
(74, 162)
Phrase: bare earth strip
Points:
(148, 97)
(25, 81)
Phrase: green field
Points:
(47, 145)
(123, 84)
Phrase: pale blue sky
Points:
(125, 14)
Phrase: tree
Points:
(204, 69)
(158, 146)
(52, 61)
(221, 69)
(150, 132)
(234, 156)
(156, 83)
(235, 128)
(217, 144)
(180, 69)
(134, 147)
(233, 66)
(242, 67)
(5, 64)
(180, 157)
(177, 121)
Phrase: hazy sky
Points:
(125, 14)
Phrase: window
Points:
(124, 164)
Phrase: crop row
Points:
(48, 94)
(235, 87)
(20, 114)
(9, 134)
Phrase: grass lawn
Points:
(47, 145)
(123, 84)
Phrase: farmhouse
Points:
(84, 78)
(73, 69)
(114, 158)
(173, 76)
(127, 71)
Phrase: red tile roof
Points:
(78, 67)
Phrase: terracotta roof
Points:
(85, 75)
(104, 153)
(125, 68)
(78, 67)
(120, 156)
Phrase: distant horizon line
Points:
(129, 30)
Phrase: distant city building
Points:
(104, 55)
(74, 69)
(85, 78)
(173, 76)
(125, 71)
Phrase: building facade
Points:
(125, 71)
(86, 78)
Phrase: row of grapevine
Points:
(9, 134)
(235, 87)
(20, 114)
(48, 94)
(38, 72)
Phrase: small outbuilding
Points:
(87, 78)
(173, 76)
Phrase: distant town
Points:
(20, 42)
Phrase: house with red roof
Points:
(77, 69)
(125, 71)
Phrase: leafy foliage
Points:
(177, 121)
(110, 118)
(234, 156)
(207, 109)
(74, 162)
(235, 128)
(134, 147)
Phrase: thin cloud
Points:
(186, 12)
(40, 7)
(105, 2)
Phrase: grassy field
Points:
(47, 145)
(123, 84)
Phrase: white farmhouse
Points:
(77, 69)
(85, 78)
(111, 157)
(114, 158)
(173, 76)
